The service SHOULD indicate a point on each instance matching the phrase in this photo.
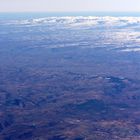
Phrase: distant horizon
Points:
(31, 15)
(69, 11)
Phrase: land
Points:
(72, 92)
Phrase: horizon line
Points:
(69, 11)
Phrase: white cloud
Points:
(82, 21)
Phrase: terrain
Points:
(70, 78)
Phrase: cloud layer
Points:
(81, 21)
(117, 33)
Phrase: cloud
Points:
(81, 21)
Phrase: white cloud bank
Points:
(81, 21)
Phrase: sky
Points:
(69, 5)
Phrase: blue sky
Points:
(69, 5)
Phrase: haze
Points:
(69, 5)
